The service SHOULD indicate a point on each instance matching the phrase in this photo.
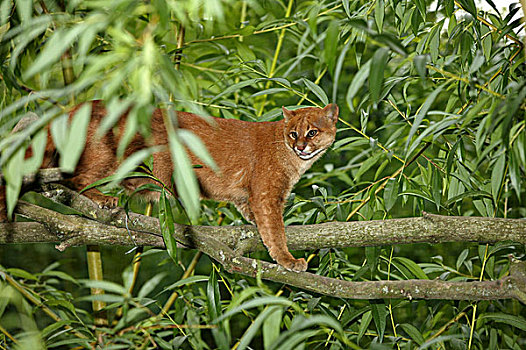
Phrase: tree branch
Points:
(227, 244)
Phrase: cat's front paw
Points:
(298, 265)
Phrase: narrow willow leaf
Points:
(379, 13)
(316, 90)
(260, 320)
(214, 310)
(338, 70)
(185, 180)
(478, 61)
(357, 83)
(421, 113)
(390, 193)
(107, 286)
(512, 320)
(301, 323)
(246, 83)
(76, 139)
(364, 324)
(24, 8)
(436, 187)
(213, 297)
(197, 147)
(272, 326)
(130, 164)
(469, 5)
(151, 284)
(497, 176)
(515, 171)
(13, 172)
(38, 147)
(331, 45)
(61, 40)
(420, 61)
(412, 266)
(269, 92)
(261, 301)
(413, 333)
(421, 5)
(189, 280)
(379, 312)
(461, 258)
(166, 221)
(376, 78)
(487, 44)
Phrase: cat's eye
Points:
(294, 135)
(312, 133)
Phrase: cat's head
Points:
(310, 131)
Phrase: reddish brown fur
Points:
(257, 161)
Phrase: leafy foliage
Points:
(432, 112)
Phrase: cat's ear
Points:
(332, 111)
(287, 114)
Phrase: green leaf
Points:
(512, 320)
(379, 12)
(461, 258)
(166, 221)
(260, 320)
(497, 176)
(316, 90)
(412, 266)
(376, 78)
(357, 83)
(272, 326)
(74, 146)
(379, 312)
(107, 286)
(331, 45)
(61, 40)
(214, 310)
(185, 180)
(413, 333)
(131, 163)
(21, 274)
(197, 147)
(390, 193)
(436, 187)
(189, 280)
(515, 172)
(364, 324)
(13, 172)
(421, 113)
(24, 8)
(38, 147)
(420, 61)
(421, 5)
(372, 254)
(261, 301)
(245, 83)
(368, 164)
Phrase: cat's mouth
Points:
(307, 155)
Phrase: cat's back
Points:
(213, 130)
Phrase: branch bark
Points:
(227, 244)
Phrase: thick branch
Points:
(243, 239)
(225, 244)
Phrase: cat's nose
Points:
(301, 146)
